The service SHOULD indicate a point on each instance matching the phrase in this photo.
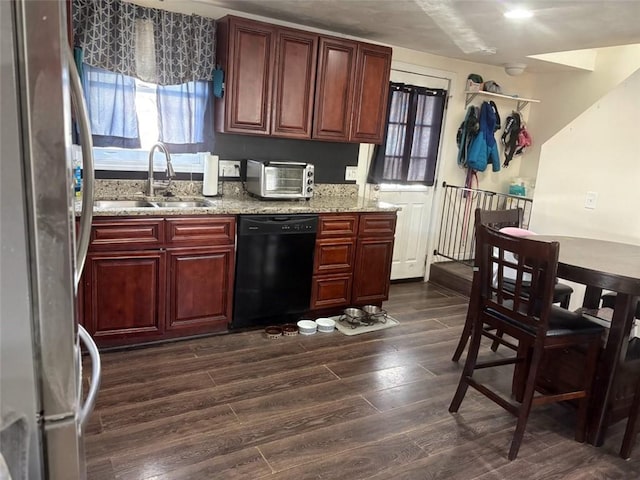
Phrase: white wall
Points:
(600, 152)
(565, 95)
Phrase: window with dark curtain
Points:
(409, 153)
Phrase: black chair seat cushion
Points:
(561, 322)
(609, 301)
(560, 290)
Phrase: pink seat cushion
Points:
(517, 232)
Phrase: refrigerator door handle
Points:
(96, 374)
(84, 130)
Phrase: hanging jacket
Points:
(483, 149)
(509, 138)
(466, 133)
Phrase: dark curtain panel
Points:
(153, 45)
(410, 151)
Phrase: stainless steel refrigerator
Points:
(41, 255)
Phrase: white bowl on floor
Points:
(307, 327)
(325, 325)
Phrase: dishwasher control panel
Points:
(277, 224)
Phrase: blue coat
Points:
(483, 148)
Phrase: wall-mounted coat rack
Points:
(521, 102)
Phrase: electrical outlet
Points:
(229, 168)
(351, 173)
(591, 200)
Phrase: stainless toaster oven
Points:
(275, 179)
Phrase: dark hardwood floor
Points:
(327, 406)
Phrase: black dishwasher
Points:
(274, 266)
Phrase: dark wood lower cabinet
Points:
(331, 291)
(373, 270)
(352, 260)
(334, 256)
(200, 289)
(174, 280)
(124, 295)
(176, 277)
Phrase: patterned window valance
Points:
(153, 45)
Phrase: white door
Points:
(412, 229)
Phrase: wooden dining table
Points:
(600, 264)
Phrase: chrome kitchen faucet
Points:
(162, 184)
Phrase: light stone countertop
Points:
(234, 205)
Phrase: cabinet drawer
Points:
(126, 234)
(334, 255)
(377, 225)
(343, 225)
(197, 231)
(331, 291)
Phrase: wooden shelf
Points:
(521, 102)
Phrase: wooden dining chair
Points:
(532, 320)
(499, 219)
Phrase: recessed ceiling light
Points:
(518, 13)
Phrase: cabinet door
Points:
(334, 89)
(371, 93)
(331, 291)
(248, 77)
(373, 270)
(124, 296)
(294, 83)
(200, 289)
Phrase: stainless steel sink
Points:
(182, 204)
(123, 204)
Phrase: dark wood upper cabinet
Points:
(334, 89)
(245, 53)
(370, 96)
(294, 83)
(290, 83)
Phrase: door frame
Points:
(365, 155)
